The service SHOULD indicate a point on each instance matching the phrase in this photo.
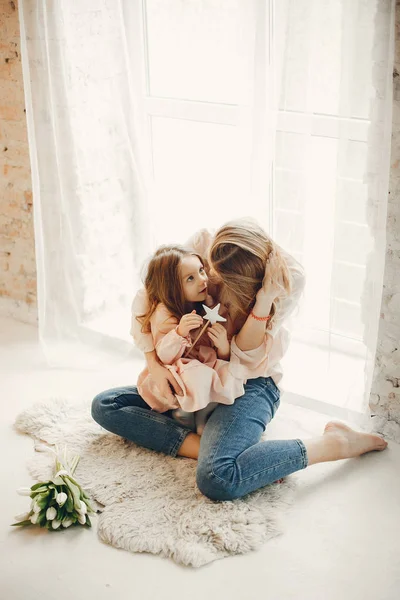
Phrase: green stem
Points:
(75, 463)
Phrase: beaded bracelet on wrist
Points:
(264, 319)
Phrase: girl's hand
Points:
(219, 337)
(189, 322)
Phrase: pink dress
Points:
(203, 377)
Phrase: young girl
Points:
(176, 285)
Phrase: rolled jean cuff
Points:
(179, 441)
(303, 453)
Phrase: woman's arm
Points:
(288, 304)
(253, 332)
(163, 378)
(140, 305)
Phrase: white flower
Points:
(34, 506)
(55, 524)
(81, 518)
(66, 523)
(61, 498)
(51, 513)
(22, 517)
(42, 448)
(34, 518)
(83, 509)
(24, 491)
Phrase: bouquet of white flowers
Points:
(57, 503)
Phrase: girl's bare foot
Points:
(353, 443)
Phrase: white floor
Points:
(342, 537)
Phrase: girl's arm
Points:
(172, 337)
(169, 344)
(218, 335)
(224, 355)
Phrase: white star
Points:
(212, 314)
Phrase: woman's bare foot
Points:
(353, 443)
(340, 441)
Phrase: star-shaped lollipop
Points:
(212, 317)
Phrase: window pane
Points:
(328, 58)
(308, 166)
(200, 176)
(200, 50)
(348, 281)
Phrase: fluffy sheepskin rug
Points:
(148, 502)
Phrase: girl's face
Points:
(194, 279)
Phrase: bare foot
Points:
(353, 443)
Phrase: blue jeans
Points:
(232, 461)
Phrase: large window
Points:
(196, 61)
(196, 77)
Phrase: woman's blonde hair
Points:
(163, 283)
(238, 255)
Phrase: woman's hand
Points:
(272, 286)
(163, 379)
(219, 337)
(189, 322)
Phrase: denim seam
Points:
(276, 391)
(171, 424)
(179, 442)
(217, 448)
(303, 453)
(266, 470)
(182, 431)
(148, 415)
(263, 470)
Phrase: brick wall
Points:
(385, 393)
(17, 249)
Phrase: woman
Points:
(259, 285)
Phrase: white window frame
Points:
(148, 107)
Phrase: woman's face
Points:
(214, 277)
(194, 279)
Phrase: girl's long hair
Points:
(163, 283)
(238, 255)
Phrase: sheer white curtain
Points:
(282, 111)
(91, 221)
(279, 110)
(331, 170)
